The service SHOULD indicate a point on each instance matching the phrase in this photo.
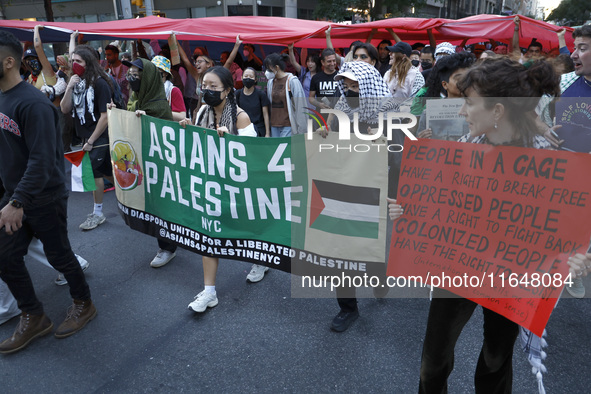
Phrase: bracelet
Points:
(90, 143)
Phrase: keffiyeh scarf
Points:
(83, 98)
(374, 94)
(206, 118)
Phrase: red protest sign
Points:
(492, 224)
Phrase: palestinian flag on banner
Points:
(346, 210)
(82, 176)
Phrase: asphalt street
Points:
(258, 339)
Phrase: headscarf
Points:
(374, 94)
(151, 97)
(444, 47)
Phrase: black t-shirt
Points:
(253, 105)
(102, 97)
(31, 150)
(253, 64)
(324, 85)
(384, 67)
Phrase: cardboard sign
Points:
(492, 224)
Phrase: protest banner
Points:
(279, 202)
(492, 224)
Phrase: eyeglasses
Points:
(132, 77)
(355, 57)
(200, 61)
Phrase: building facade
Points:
(107, 10)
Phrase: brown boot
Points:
(79, 314)
(28, 328)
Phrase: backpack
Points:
(117, 95)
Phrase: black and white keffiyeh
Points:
(206, 118)
(82, 98)
(533, 346)
(374, 94)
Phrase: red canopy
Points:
(501, 28)
(283, 31)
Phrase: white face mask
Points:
(269, 74)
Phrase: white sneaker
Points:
(93, 221)
(163, 257)
(203, 300)
(577, 289)
(84, 264)
(257, 273)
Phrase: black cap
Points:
(401, 47)
(137, 62)
(30, 53)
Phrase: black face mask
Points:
(212, 97)
(134, 83)
(35, 66)
(352, 98)
(415, 63)
(249, 82)
(426, 65)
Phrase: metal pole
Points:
(116, 8)
(149, 7)
(126, 9)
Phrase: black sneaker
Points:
(343, 320)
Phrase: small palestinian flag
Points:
(346, 210)
(82, 176)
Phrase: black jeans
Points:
(167, 245)
(48, 223)
(447, 318)
(346, 299)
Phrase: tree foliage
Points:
(48, 10)
(332, 10)
(571, 12)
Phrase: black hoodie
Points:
(31, 152)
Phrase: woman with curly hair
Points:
(497, 114)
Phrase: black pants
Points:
(166, 245)
(48, 223)
(346, 296)
(346, 299)
(447, 318)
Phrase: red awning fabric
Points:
(305, 33)
(501, 28)
(254, 29)
(408, 29)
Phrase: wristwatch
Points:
(16, 203)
